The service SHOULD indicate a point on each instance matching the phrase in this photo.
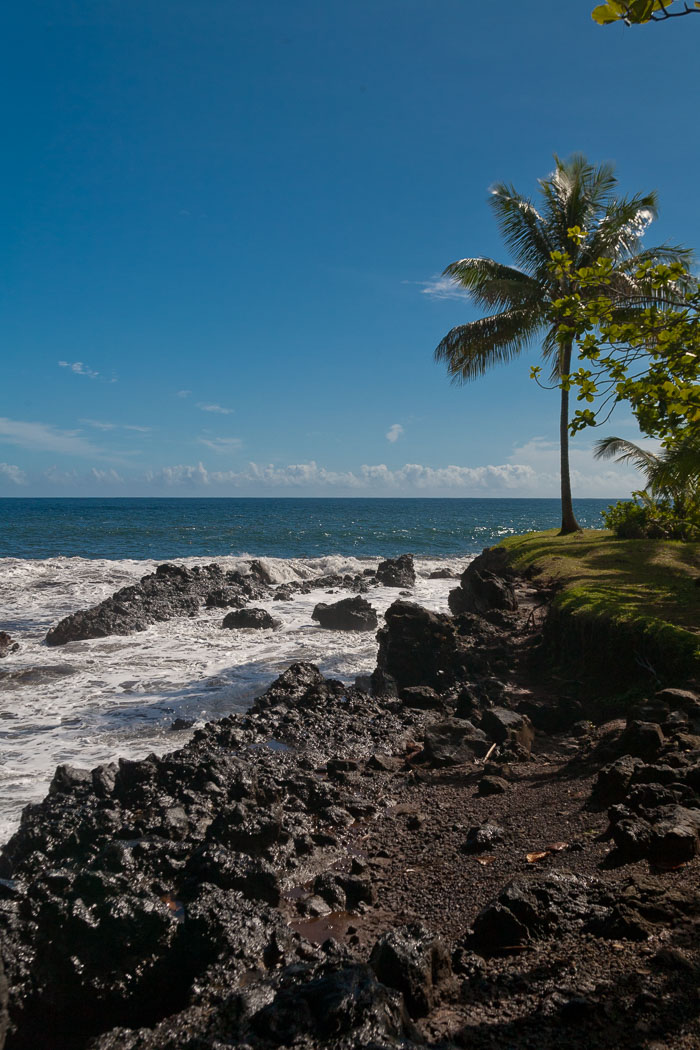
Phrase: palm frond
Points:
(469, 350)
(551, 352)
(666, 253)
(492, 284)
(522, 229)
(626, 452)
(620, 228)
(576, 194)
(679, 466)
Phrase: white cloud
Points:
(206, 407)
(87, 480)
(106, 477)
(80, 369)
(441, 287)
(61, 477)
(13, 473)
(44, 437)
(410, 477)
(183, 393)
(99, 424)
(394, 432)
(181, 474)
(221, 444)
(532, 470)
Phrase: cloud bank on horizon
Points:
(531, 471)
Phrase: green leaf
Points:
(640, 10)
(603, 15)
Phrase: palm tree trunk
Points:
(568, 519)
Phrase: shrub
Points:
(645, 518)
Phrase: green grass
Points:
(618, 603)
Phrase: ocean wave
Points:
(89, 702)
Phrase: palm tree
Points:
(576, 194)
(673, 474)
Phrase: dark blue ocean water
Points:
(283, 528)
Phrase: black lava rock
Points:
(257, 619)
(397, 572)
(415, 963)
(350, 614)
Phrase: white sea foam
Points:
(89, 702)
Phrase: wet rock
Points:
(417, 647)
(301, 688)
(490, 785)
(467, 703)
(338, 765)
(508, 727)
(337, 816)
(415, 963)
(313, 907)
(497, 928)
(67, 779)
(248, 828)
(675, 836)
(481, 591)
(225, 598)
(383, 684)
(667, 833)
(253, 877)
(364, 682)
(421, 697)
(442, 574)
(531, 908)
(7, 644)
(495, 560)
(339, 1005)
(350, 614)
(170, 591)
(344, 892)
(104, 779)
(258, 619)
(642, 740)
(104, 941)
(453, 742)
(632, 837)
(333, 1007)
(683, 699)
(638, 909)
(397, 572)
(483, 837)
(613, 781)
(385, 763)
(178, 724)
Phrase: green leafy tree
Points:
(635, 12)
(640, 344)
(580, 217)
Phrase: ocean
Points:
(90, 702)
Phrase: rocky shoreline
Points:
(457, 858)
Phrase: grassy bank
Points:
(627, 609)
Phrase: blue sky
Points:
(223, 222)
